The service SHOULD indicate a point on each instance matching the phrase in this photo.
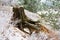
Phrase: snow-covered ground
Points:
(9, 32)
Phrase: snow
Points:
(32, 16)
(39, 36)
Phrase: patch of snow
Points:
(32, 16)
(39, 36)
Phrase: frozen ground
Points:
(9, 32)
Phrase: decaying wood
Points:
(26, 23)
